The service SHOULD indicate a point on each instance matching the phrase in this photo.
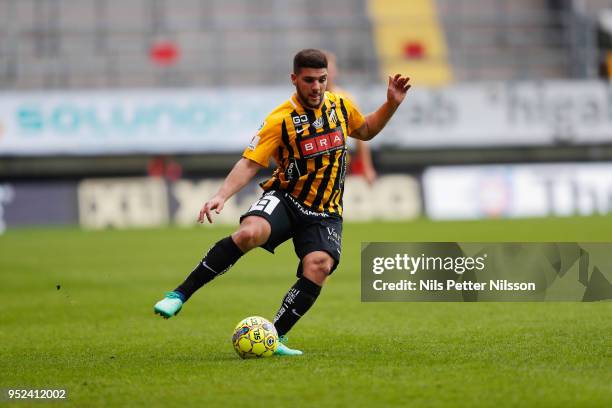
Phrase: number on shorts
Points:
(266, 204)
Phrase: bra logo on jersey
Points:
(313, 146)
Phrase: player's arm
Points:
(376, 121)
(242, 172)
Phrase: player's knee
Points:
(318, 267)
(249, 237)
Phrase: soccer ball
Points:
(255, 337)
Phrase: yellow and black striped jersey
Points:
(309, 148)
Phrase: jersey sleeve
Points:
(265, 142)
(355, 118)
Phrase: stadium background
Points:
(123, 116)
(171, 90)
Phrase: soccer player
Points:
(306, 136)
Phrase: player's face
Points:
(310, 84)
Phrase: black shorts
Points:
(311, 231)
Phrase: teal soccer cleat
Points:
(169, 306)
(283, 350)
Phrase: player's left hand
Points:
(398, 87)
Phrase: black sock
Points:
(296, 303)
(218, 260)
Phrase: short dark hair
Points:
(309, 58)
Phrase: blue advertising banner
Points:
(89, 122)
(119, 122)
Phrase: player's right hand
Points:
(216, 203)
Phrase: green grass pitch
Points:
(76, 313)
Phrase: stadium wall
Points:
(440, 193)
(153, 202)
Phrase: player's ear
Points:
(293, 78)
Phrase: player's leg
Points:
(265, 224)
(315, 245)
(316, 267)
(253, 232)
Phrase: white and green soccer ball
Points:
(255, 337)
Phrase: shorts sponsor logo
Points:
(332, 232)
(334, 236)
(305, 211)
